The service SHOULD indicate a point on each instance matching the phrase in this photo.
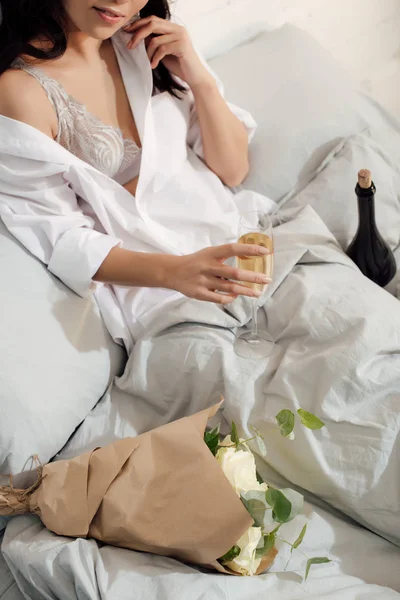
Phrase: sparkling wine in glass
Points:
(255, 228)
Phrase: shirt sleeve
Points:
(41, 210)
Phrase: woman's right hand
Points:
(203, 275)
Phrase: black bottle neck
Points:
(366, 207)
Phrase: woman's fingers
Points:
(209, 296)
(165, 49)
(145, 27)
(230, 291)
(140, 35)
(159, 42)
(236, 274)
(235, 289)
(132, 26)
(146, 21)
(230, 250)
(162, 52)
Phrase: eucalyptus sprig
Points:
(316, 560)
(286, 420)
(272, 508)
(212, 439)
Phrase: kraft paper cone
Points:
(161, 492)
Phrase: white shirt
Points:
(180, 205)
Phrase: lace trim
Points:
(82, 133)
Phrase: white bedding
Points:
(8, 586)
(331, 192)
(62, 569)
(315, 303)
(303, 101)
(337, 354)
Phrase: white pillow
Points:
(332, 194)
(303, 101)
(56, 359)
(222, 32)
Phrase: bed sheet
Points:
(179, 367)
(364, 566)
(8, 587)
(394, 285)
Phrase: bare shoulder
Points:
(23, 98)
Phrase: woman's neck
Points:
(84, 47)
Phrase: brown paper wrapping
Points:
(161, 492)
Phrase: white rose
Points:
(239, 466)
(247, 563)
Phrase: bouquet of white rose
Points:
(152, 494)
(269, 508)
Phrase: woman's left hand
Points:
(170, 44)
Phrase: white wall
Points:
(364, 35)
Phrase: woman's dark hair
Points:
(22, 21)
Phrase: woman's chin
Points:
(102, 33)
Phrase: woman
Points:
(116, 105)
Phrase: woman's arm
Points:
(32, 107)
(224, 137)
(197, 275)
(54, 229)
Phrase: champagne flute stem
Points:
(254, 324)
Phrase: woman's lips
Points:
(108, 16)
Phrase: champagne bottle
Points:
(368, 249)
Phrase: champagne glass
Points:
(255, 227)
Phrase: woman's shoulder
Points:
(23, 98)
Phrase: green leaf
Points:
(260, 441)
(269, 543)
(318, 560)
(216, 429)
(300, 538)
(309, 420)
(281, 507)
(234, 434)
(256, 506)
(231, 554)
(285, 420)
(296, 500)
(211, 438)
(277, 528)
(261, 446)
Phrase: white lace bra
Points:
(84, 135)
